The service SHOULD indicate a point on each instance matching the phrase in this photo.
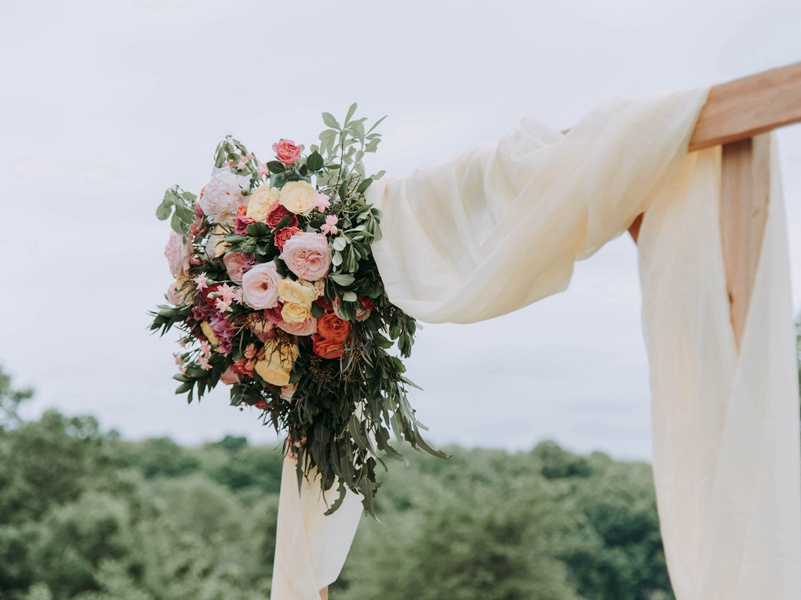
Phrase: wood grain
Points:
(744, 197)
(746, 107)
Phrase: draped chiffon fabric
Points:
(501, 226)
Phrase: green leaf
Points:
(276, 166)
(163, 211)
(342, 279)
(315, 162)
(340, 243)
(349, 297)
(351, 111)
(362, 187)
(329, 120)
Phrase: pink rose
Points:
(259, 286)
(287, 151)
(237, 264)
(307, 255)
(222, 196)
(307, 327)
(273, 315)
(177, 253)
(282, 235)
(276, 212)
(230, 377)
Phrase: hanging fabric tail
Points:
(726, 425)
(310, 548)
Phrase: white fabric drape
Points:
(501, 226)
(310, 548)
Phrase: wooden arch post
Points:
(739, 116)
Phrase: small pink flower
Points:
(243, 161)
(227, 293)
(330, 225)
(287, 151)
(322, 202)
(201, 282)
(221, 305)
(262, 170)
(205, 348)
(204, 363)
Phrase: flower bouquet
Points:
(277, 295)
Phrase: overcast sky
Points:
(107, 103)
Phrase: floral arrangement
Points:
(277, 295)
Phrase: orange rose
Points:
(325, 348)
(332, 328)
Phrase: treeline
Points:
(85, 515)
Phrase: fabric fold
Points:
(500, 227)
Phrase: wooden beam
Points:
(744, 197)
(741, 109)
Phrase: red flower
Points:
(324, 303)
(325, 348)
(367, 303)
(276, 212)
(283, 234)
(332, 328)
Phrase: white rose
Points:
(222, 196)
(298, 197)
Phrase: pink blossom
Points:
(262, 170)
(177, 252)
(221, 305)
(307, 327)
(226, 291)
(237, 264)
(205, 348)
(243, 162)
(287, 151)
(330, 225)
(307, 255)
(204, 363)
(322, 202)
(259, 286)
(201, 282)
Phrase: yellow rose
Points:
(298, 197)
(294, 313)
(260, 201)
(209, 333)
(295, 293)
(278, 362)
(216, 244)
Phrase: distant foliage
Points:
(86, 516)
